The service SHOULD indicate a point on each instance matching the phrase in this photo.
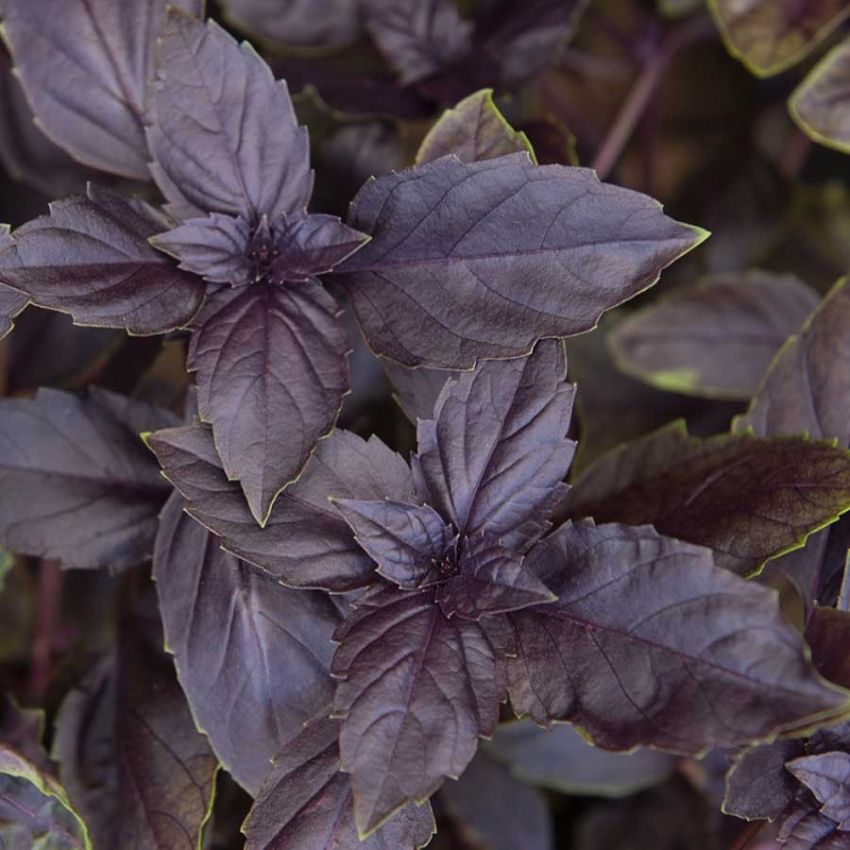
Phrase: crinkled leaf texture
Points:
(827, 776)
(252, 656)
(416, 691)
(474, 130)
(650, 644)
(133, 763)
(306, 803)
(716, 338)
(746, 498)
(34, 808)
(86, 66)
(305, 543)
(772, 35)
(272, 370)
(90, 257)
(449, 277)
(807, 829)
(76, 480)
(212, 104)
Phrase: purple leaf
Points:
(495, 452)
(407, 542)
(417, 690)
(449, 277)
(417, 390)
(306, 543)
(86, 66)
(306, 803)
(491, 580)
(746, 498)
(90, 257)
(806, 829)
(272, 370)
(134, 764)
(716, 338)
(272, 646)
(418, 37)
(827, 776)
(758, 785)
(78, 484)
(650, 644)
(212, 106)
(11, 301)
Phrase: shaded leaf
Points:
(34, 808)
(417, 390)
(306, 542)
(86, 66)
(494, 454)
(417, 722)
(272, 370)
(807, 829)
(90, 257)
(22, 729)
(78, 484)
(211, 108)
(769, 36)
(716, 338)
(131, 758)
(828, 634)
(654, 645)
(253, 657)
(496, 811)
(562, 760)
(407, 542)
(306, 803)
(474, 130)
(748, 499)
(448, 276)
(11, 301)
(758, 785)
(299, 23)
(827, 776)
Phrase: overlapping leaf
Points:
(272, 371)
(306, 803)
(758, 785)
(86, 66)
(716, 338)
(653, 644)
(827, 776)
(306, 543)
(90, 257)
(77, 482)
(821, 105)
(211, 108)
(448, 276)
(237, 633)
(746, 498)
(11, 301)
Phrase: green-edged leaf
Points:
(758, 785)
(34, 808)
(716, 338)
(130, 756)
(236, 632)
(769, 36)
(649, 643)
(748, 499)
(474, 130)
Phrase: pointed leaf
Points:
(491, 580)
(76, 480)
(807, 829)
(11, 301)
(297, 23)
(223, 133)
(746, 498)
(449, 277)
(34, 808)
(90, 257)
(417, 690)
(758, 785)
(407, 542)
(716, 338)
(827, 776)
(306, 803)
(495, 452)
(820, 104)
(134, 764)
(86, 66)
(769, 36)
(474, 130)
(235, 631)
(272, 370)
(306, 543)
(650, 644)
(804, 392)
